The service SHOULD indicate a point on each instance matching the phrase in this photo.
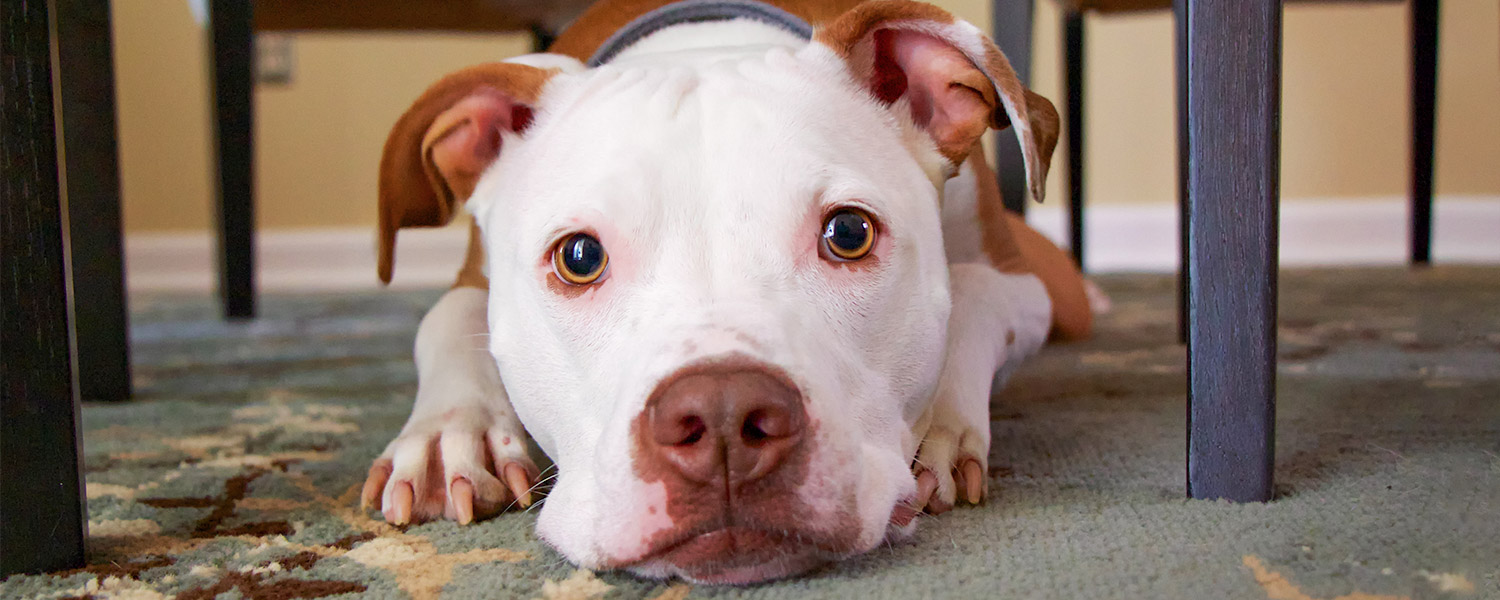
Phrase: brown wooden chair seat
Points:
(428, 15)
(1117, 6)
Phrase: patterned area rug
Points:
(235, 473)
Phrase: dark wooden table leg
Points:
(91, 165)
(41, 491)
(1234, 98)
(1073, 40)
(1010, 27)
(234, 109)
(541, 37)
(1424, 59)
(1179, 31)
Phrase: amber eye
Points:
(580, 259)
(849, 234)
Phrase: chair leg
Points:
(93, 182)
(1011, 30)
(41, 489)
(541, 38)
(233, 48)
(1073, 31)
(1179, 14)
(1234, 73)
(1424, 58)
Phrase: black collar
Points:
(696, 11)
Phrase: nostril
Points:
(693, 429)
(677, 428)
(764, 424)
(752, 431)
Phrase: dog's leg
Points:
(462, 454)
(997, 320)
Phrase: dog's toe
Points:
(456, 474)
(380, 472)
(398, 510)
(949, 469)
(519, 481)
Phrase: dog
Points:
(748, 285)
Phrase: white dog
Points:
(748, 290)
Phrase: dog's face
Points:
(727, 375)
(718, 298)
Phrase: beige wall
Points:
(318, 140)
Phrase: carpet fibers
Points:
(235, 472)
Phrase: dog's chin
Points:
(733, 556)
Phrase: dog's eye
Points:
(580, 259)
(849, 234)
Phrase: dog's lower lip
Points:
(733, 554)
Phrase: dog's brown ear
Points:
(956, 82)
(442, 144)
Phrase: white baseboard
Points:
(297, 260)
(1363, 231)
(1119, 238)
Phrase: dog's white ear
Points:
(437, 150)
(956, 82)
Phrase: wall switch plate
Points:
(273, 59)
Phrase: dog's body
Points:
(730, 397)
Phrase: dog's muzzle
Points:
(731, 443)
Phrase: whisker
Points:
(529, 490)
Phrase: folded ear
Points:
(955, 81)
(442, 144)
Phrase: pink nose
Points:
(726, 426)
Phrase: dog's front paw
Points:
(951, 464)
(462, 465)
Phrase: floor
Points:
(236, 469)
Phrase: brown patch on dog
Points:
(706, 516)
(1014, 247)
(413, 191)
(859, 34)
(989, 206)
(851, 28)
(471, 274)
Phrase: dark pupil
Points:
(583, 254)
(847, 231)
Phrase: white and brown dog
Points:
(749, 291)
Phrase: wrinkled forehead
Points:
(726, 135)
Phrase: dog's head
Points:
(718, 295)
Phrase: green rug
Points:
(235, 473)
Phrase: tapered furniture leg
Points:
(1073, 40)
(41, 492)
(1424, 58)
(234, 112)
(86, 77)
(1234, 73)
(1011, 30)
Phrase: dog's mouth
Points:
(736, 555)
